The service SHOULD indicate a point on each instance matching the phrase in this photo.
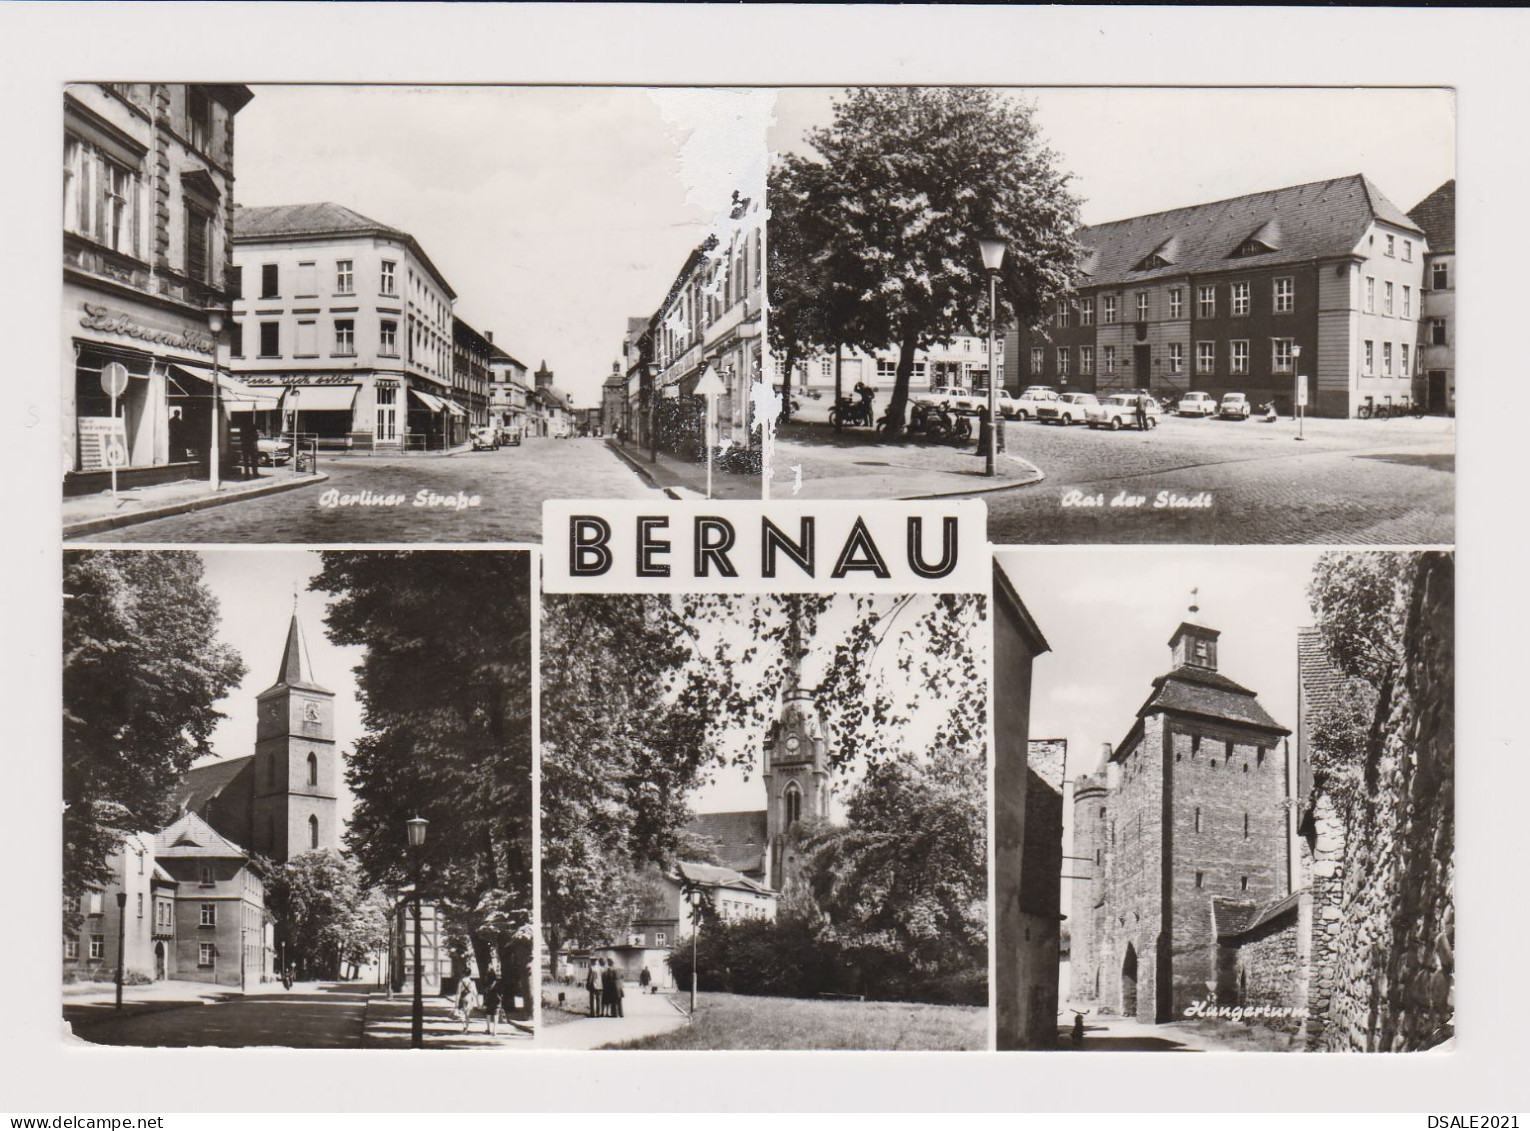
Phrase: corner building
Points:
(1187, 820)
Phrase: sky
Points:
(1134, 151)
(255, 590)
(1108, 615)
(554, 213)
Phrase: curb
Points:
(1037, 475)
(91, 1021)
(642, 472)
(116, 521)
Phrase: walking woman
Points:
(493, 1002)
(467, 1000)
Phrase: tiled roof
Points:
(713, 876)
(1234, 917)
(1436, 214)
(739, 837)
(275, 221)
(1194, 691)
(203, 783)
(1299, 223)
(189, 835)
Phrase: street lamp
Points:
(215, 327)
(121, 940)
(1301, 392)
(417, 827)
(992, 249)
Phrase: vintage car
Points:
(274, 453)
(1119, 410)
(1234, 406)
(1197, 404)
(1028, 407)
(486, 439)
(954, 397)
(511, 436)
(1068, 408)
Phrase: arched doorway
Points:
(159, 962)
(1129, 982)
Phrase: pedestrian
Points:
(1142, 415)
(644, 979)
(249, 447)
(618, 991)
(608, 989)
(493, 999)
(467, 1000)
(177, 435)
(592, 984)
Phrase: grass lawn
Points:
(576, 1003)
(736, 1021)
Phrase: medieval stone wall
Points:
(1267, 971)
(1130, 921)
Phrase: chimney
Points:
(1105, 752)
(489, 336)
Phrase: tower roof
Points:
(297, 669)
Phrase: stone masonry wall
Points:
(1268, 971)
(1131, 921)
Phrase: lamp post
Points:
(1301, 390)
(417, 827)
(121, 940)
(215, 327)
(992, 248)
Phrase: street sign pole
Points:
(708, 385)
(114, 381)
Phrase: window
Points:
(1437, 332)
(269, 279)
(1062, 312)
(206, 876)
(1062, 362)
(1370, 294)
(1245, 826)
(1207, 300)
(205, 955)
(345, 276)
(887, 370)
(1197, 819)
(1099, 856)
(387, 339)
(1280, 355)
(1285, 296)
(1386, 359)
(1108, 309)
(1402, 360)
(313, 769)
(1199, 878)
(1239, 359)
(208, 916)
(1205, 357)
(791, 802)
(345, 336)
(97, 947)
(71, 950)
(199, 244)
(1037, 360)
(307, 344)
(1176, 357)
(313, 832)
(1388, 308)
(236, 282)
(1240, 300)
(1370, 356)
(95, 903)
(100, 197)
(236, 338)
(389, 277)
(1407, 251)
(1392, 246)
(1086, 312)
(1407, 309)
(660, 938)
(1439, 276)
(1142, 306)
(1110, 359)
(1176, 302)
(1085, 361)
(140, 905)
(198, 118)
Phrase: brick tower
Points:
(295, 768)
(796, 770)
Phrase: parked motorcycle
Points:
(850, 412)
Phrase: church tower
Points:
(295, 759)
(796, 761)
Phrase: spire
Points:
(1195, 606)
(295, 666)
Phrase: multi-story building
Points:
(550, 410)
(1436, 383)
(1221, 297)
(508, 389)
(145, 917)
(471, 352)
(148, 175)
(638, 379)
(962, 362)
(350, 320)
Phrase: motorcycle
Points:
(931, 422)
(850, 412)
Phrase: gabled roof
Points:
(497, 354)
(201, 784)
(1436, 214)
(1302, 222)
(191, 836)
(1210, 695)
(740, 837)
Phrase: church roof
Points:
(710, 875)
(1196, 691)
(297, 669)
(740, 837)
(1436, 214)
(189, 835)
(201, 784)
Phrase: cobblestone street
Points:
(1382, 482)
(511, 484)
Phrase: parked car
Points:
(1008, 407)
(1028, 407)
(274, 453)
(1197, 404)
(1234, 406)
(1119, 410)
(954, 397)
(1068, 408)
(485, 439)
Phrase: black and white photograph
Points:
(404, 313)
(297, 798)
(1246, 769)
(1211, 315)
(764, 821)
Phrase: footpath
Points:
(645, 1015)
(92, 514)
(682, 479)
(389, 1021)
(87, 1003)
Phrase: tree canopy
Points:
(323, 912)
(142, 671)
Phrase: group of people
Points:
(491, 1002)
(604, 983)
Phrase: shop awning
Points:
(429, 400)
(320, 398)
(453, 407)
(234, 393)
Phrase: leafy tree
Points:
(315, 900)
(142, 671)
(910, 177)
(445, 690)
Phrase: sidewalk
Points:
(646, 1015)
(681, 479)
(91, 514)
(91, 1002)
(389, 1021)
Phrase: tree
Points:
(910, 177)
(142, 671)
(316, 900)
(445, 690)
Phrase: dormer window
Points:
(1252, 247)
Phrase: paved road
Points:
(319, 1017)
(510, 485)
(644, 1015)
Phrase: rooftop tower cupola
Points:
(1193, 644)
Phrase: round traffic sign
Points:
(114, 379)
(116, 454)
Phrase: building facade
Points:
(146, 919)
(509, 390)
(1436, 215)
(963, 363)
(350, 321)
(148, 178)
(471, 352)
(1321, 281)
(1182, 843)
